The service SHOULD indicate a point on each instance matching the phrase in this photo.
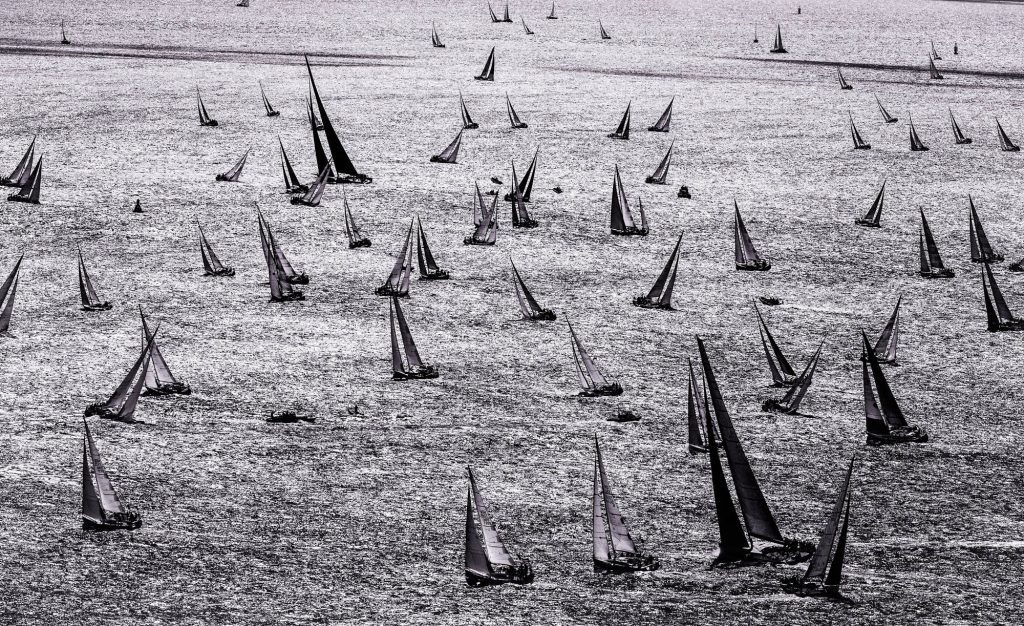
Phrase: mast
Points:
(696, 414)
(885, 347)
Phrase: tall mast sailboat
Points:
(888, 119)
(981, 249)
(397, 283)
(450, 154)
(782, 372)
(434, 39)
(120, 406)
(931, 262)
(485, 232)
(958, 134)
(615, 551)
(842, 81)
(90, 301)
(661, 173)
(487, 560)
(858, 141)
(825, 571)
(232, 175)
(663, 123)
(696, 414)
(30, 189)
(528, 305)
(593, 381)
(212, 265)
(888, 342)
(102, 508)
(281, 289)
(513, 117)
(933, 72)
(356, 239)
(622, 130)
(622, 222)
(885, 421)
(412, 366)
(8, 291)
(660, 295)
(23, 170)
(159, 380)
(271, 112)
(520, 216)
(429, 270)
(604, 34)
(999, 316)
(467, 121)
(526, 182)
(1005, 143)
(790, 403)
(204, 117)
(291, 181)
(872, 219)
(64, 35)
(777, 47)
(552, 16)
(747, 257)
(916, 145)
(488, 71)
(346, 170)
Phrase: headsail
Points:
(823, 553)
(732, 539)
(232, 174)
(934, 260)
(29, 191)
(874, 215)
(661, 292)
(497, 553)
(8, 291)
(621, 217)
(781, 370)
(981, 249)
(266, 104)
(451, 153)
(888, 341)
(434, 39)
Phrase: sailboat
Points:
(281, 289)
(1005, 143)
(604, 33)
(243, 3)
(23, 170)
(755, 34)
(291, 181)
(346, 171)
(488, 561)
(412, 367)
(935, 54)
(204, 117)
(552, 16)
(747, 258)
(660, 295)
(159, 380)
(29, 192)
(858, 141)
(663, 123)
(486, 231)
(102, 509)
(757, 516)
(999, 316)
(506, 17)
(615, 552)
(777, 47)
(622, 130)
(915, 142)
(64, 35)
(90, 301)
(825, 571)
(451, 153)
(211, 262)
(790, 403)
(981, 249)
(885, 421)
(888, 341)
(231, 176)
(494, 18)
(429, 269)
(528, 305)
(888, 119)
(520, 216)
(525, 27)
(467, 121)
(593, 381)
(138, 206)
(782, 372)
(397, 283)
(696, 414)
(266, 103)
(873, 217)
(488, 72)
(933, 72)
(314, 121)
(931, 261)
(842, 81)
(355, 237)
(958, 135)
(120, 406)
(661, 173)
(315, 191)
(8, 291)
(434, 39)
(621, 218)
(526, 183)
(513, 117)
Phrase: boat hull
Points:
(102, 306)
(631, 232)
(910, 434)
(614, 389)
(757, 266)
(472, 126)
(964, 141)
(170, 389)
(437, 275)
(522, 575)
(1002, 327)
(650, 180)
(469, 241)
(425, 372)
(295, 296)
(298, 279)
(227, 271)
(943, 273)
(867, 223)
(644, 302)
(388, 291)
(544, 315)
(995, 258)
(18, 198)
(130, 521)
(530, 223)
(209, 123)
(768, 301)
(439, 159)
(639, 563)
(361, 243)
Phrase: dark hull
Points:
(920, 149)
(103, 306)
(297, 189)
(491, 78)
(866, 223)
(650, 180)
(615, 389)
(778, 51)
(469, 241)
(436, 275)
(474, 579)
(227, 271)
(1015, 325)
(910, 434)
(388, 291)
(298, 279)
(273, 113)
(965, 141)
(352, 179)
(303, 202)
(129, 522)
(544, 315)
(1017, 267)
(846, 87)
(17, 198)
(362, 243)
(943, 273)
(761, 266)
(646, 303)
(641, 563)
(424, 373)
(438, 159)
(520, 125)
(171, 389)
(472, 126)
(684, 192)
(768, 301)
(294, 296)
(863, 146)
(210, 123)
(509, 198)
(226, 179)
(774, 406)
(631, 232)
(618, 136)
(995, 258)
(287, 417)
(531, 223)
(655, 129)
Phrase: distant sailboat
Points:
(204, 117)
(467, 121)
(660, 295)
(526, 183)
(621, 218)
(933, 72)
(842, 81)
(486, 231)
(315, 192)
(747, 258)
(346, 171)
(790, 403)
(777, 47)
(885, 421)
(90, 301)
(29, 192)
(355, 237)
(138, 206)
(64, 35)
(412, 367)
(102, 509)
(615, 552)
(622, 130)
(487, 560)
(872, 219)
(696, 414)
(397, 283)
(451, 153)
(981, 249)
(23, 170)
(755, 34)
(211, 262)
(8, 292)
(243, 3)
(782, 372)
(120, 406)
(159, 380)
(266, 104)
(604, 33)
(661, 173)
(593, 381)
(494, 18)
(958, 135)
(931, 261)
(858, 141)
(506, 18)
(291, 181)
(885, 114)
(888, 342)
(513, 117)
(999, 316)
(552, 16)
(231, 176)
(825, 571)
(488, 72)
(1005, 143)
(935, 54)
(528, 305)
(916, 145)
(663, 123)
(281, 289)
(428, 267)
(520, 216)
(434, 39)
(526, 28)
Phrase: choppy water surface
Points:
(359, 519)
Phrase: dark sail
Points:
(232, 174)
(746, 255)
(488, 73)
(591, 378)
(1005, 143)
(506, 17)
(90, 301)
(291, 181)
(266, 104)
(888, 341)
(858, 141)
(204, 117)
(29, 191)
(429, 269)
(981, 249)
(888, 119)
(314, 121)
(758, 517)
(890, 410)
(434, 39)
(528, 305)
(526, 184)
(622, 130)
(338, 154)
(790, 403)
(916, 145)
(999, 315)
(931, 261)
(397, 283)
(933, 72)
(451, 153)
(782, 371)
(823, 553)
(696, 415)
(212, 265)
(604, 33)
(520, 216)
(622, 222)
(874, 215)
(23, 170)
(315, 191)
(552, 16)
(322, 161)
(935, 54)
(777, 47)
(525, 27)
(355, 237)
(494, 18)
(8, 291)
(64, 35)
(513, 117)
(660, 295)
(661, 173)
(101, 506)
(733, 544)
(663, 123)
(413, 366)
(958, 135)
(842, 81)
(280, 286)
(467, 121)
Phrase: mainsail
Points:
(528, 305)
(85, 287)
(999, 315)
(621, 218)
(513, 117)
(355, 237)
(874, 215)
(746, 256)
(552, 16)
(525, 27)
(622, 130)
(99, 499)
(158, 374)
(885, 114)
(204, 117)
(885, 414)
(397, 283)
(611, 536)
(314, 121)
(121, 404)
(506, 17)
(1005, 143)
(494, 18)
(663, 123)
(451, 153)
(777, 47)
(520, 216)
(427, 265)
(64, 35)
(8, 291)
(338, 154)
(29, 191)
(322, 160)
(604, 33)
(790, 402)
(211, 262)
(590, 377)
(661, 173)
(291, 181)
(488, 73)
(958, 135)
(931, 261)
(981, 249)
(782, 372)
(733, 543)
(828, 549)
(858, 141)
(494, 548)
(315, 191)
(933, 72)
(280, 287)
(915, 142)
(660, 294)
